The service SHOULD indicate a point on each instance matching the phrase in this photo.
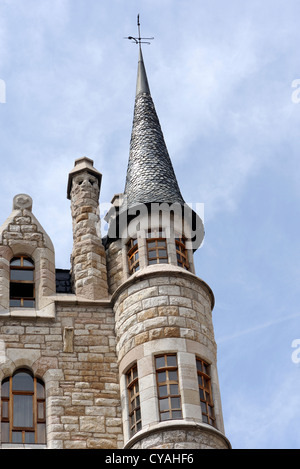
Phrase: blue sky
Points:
(221, 77)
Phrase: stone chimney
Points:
(88, 261)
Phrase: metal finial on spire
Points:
(139, 39)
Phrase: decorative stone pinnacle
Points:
(83, 164)
(22, 201)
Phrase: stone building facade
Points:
(119, 351)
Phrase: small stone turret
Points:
(88, 262)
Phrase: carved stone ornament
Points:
(22, 201)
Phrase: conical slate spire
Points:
(142, 85)
(150, 175)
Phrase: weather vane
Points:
(139, 39)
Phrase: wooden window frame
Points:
(133, 256)
(174, 412)
(36, 402)
(157, 237)
(19, 282)
(205, 392)
(181, 253)
(135, 418)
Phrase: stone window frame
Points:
(38, 393)
(46, 370)
(44, 280)
(22, 267)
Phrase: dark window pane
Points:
(175, 402)
(15, 303)
(152, 254)
(16, 262)
(161, 243)
(22, 381)
(165, 416)
(152, 261)
(17, 437)
(203, 407)
(21, 275)
(171, 360)
(28, 263)
(173, 376)
(164, 404)
(5, 432)
(40, 411)
(22, 411)
(163, 391)
(21, 290)
(29, 437)
(5, 388)
(163, 261)
(138, 426)
(174, 389)
(177, 414)
(162, 253)
(5, 409)
(161, 377)
(28, 303)
(160, 362)
(41, 433)
(151, 244)
(40, 389)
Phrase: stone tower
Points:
(165, 340)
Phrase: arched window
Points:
(23, 412)
(22, 282)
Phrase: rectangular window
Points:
(133, 256)
(168, 387)
(181, 253)
(22, 282)
(205, 392)
(135, 419)
(157, 247)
